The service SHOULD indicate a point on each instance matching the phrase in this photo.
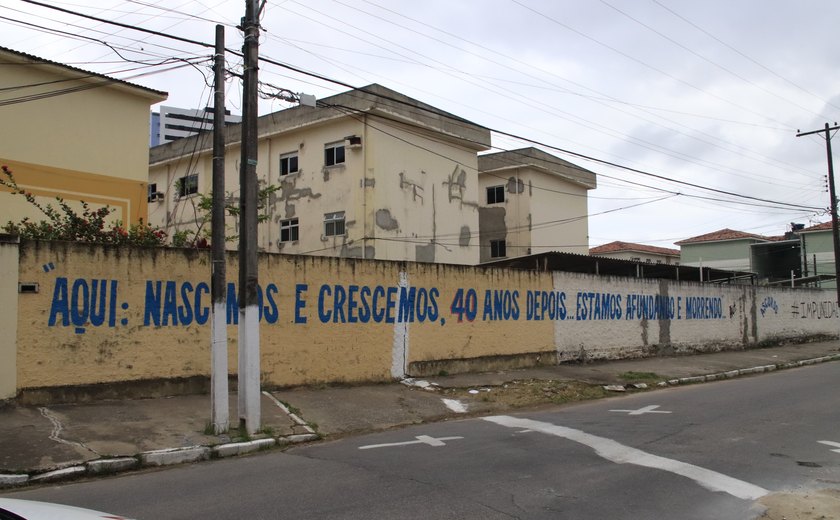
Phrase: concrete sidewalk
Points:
(42, 444)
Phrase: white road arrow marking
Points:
(621, 454)
(830, 443)
(421, 439)
(647, 409)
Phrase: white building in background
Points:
(172, 123)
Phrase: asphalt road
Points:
(697, 452)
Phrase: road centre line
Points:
(621, 454)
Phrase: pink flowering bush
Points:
(65, 223)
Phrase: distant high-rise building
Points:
(173, 123)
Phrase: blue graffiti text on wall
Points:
(365, 304)
(170, 303)
(703, 308)
(84, 303)
(650, 307)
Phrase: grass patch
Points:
(640, 377)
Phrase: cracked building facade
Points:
(532, 202)
(369, 173)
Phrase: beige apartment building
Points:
(532, 202)
(74, 134)
(368, 173)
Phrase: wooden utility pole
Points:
(834, 225)
(220, 412)
(249, 325)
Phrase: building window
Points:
(498, 249)
(288, 163)
(289, 230)
(495, 194)
(187, 185)
(334, 154)
(334, 224)
(153, 194)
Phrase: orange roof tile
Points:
(720, 235)
(819, 227)
(617, 246)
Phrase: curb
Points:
(171, 456)
(754, 370)
(151, 459)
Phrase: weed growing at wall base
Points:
(65, 223)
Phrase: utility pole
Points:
(249, 325)
(834, 225)
(220, 413)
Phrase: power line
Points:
(438, 112)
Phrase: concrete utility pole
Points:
(834, 225)
(249, 325)
(220, 413)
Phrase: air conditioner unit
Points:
(156, 197)
(353, 142)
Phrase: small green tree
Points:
(65, 223)
(202, 207)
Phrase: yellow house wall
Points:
(126, 198)
(90, 144)
(106, 315)
(102, 130)
(8, 318)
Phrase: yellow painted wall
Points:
(9, 316)
(127, 198)
(108, 314)
(489, 333)
(88, 143)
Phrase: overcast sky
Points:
(710, 93)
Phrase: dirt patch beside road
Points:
(525, 393)
(823, 504)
